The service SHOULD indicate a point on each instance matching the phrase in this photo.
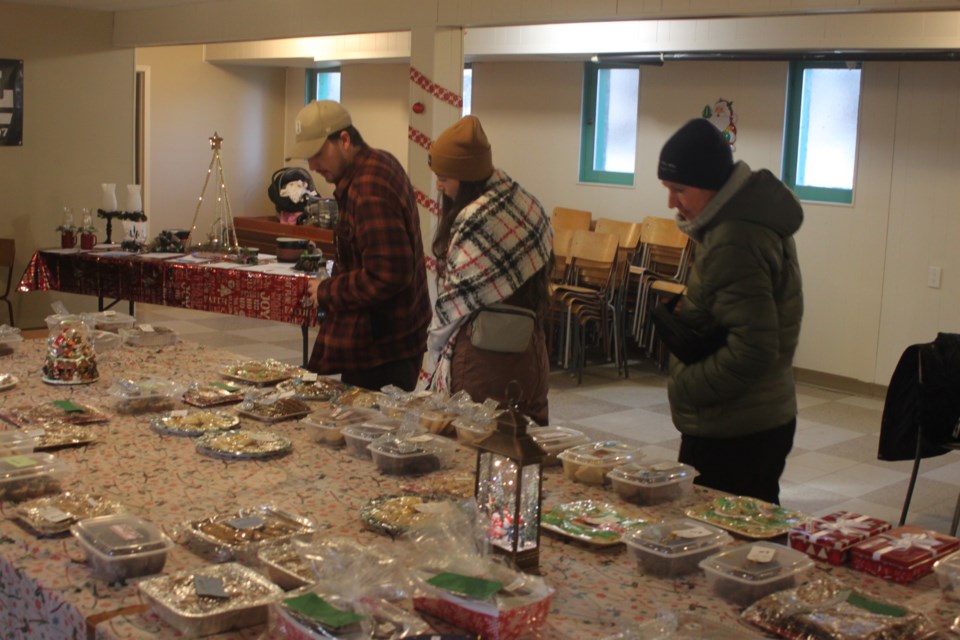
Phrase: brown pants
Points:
(487, 374)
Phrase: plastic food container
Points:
(104, 340)
(674, 548)
(146, 335)
(469, 431)
(948, 575)
(110, 321)
(590, 463)
(747, 573)
(54, 320)
(122, 546)
(652, 483)
(554, 440)
(411, 455)
(30, 475)
(149, 395)
(176, 600)
(13, 443)
(327, 426)
(359, 436)
(10, 339)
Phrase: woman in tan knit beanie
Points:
(493, 245)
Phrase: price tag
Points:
(761, 554)
(52, 514)
(109, 313)
(309, 377)
(21, 462)
(68, 406)
(692, 532)
(178, 413)
(247, 522)
(210, 586)
(126, 532)
(146, 328)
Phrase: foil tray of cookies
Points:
(748, 517)
(259, 373)
(274, 408)
(359, 398)
(285, 565)
(194, 423)
(244, 444)
(591, 521)
(50, 413)
(311, 387)
(211, 599)
(56, 436)
(55, 514)
(212, 394)
(238, 535)
(396, 514)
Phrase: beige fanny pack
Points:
(503, 327)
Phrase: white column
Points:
(436, 82)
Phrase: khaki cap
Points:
(314, 124)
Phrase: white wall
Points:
(78, 132)
(190, 100)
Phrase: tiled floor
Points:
(833, 464)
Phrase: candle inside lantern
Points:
(109, 201)
(134, 203)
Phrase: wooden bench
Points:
(262, 232)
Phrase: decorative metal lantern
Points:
(508, 489)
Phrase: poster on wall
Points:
(11, 103)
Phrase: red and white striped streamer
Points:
(438, 92)
(419, 137)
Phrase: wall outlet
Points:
(933, 277)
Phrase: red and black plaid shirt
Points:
(377, 302)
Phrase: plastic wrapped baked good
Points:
(746, 573)
(395, 514)
(260, 373)
(590, 463)
(212, 599)
(212, 394)
(674, 548)
(285, 565)
(272, 406)
(52, 413)
(948, 575)
(590, 521)
(146, 395)
(30, 475)
(311, 387)
(240, 534)
(244, 444)
(194, 423)
(55, 514)
(826, 610)
(122, 546)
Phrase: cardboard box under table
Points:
(830, 537)
(902, 554)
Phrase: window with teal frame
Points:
(608, 130)
(820, 132)
(323, 84)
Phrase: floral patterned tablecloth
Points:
(48, 593)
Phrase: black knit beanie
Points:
(697, 156)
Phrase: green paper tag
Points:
(68, 406)
(316, 608)
(225, 386)
(20, 461)
(469, 586)
(876, 607)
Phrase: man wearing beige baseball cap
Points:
(375, 308)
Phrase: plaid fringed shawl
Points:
(497, 242)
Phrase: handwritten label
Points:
(146, 328)
(126, 532)
(210, 586)
(247, 522)
(761, 554)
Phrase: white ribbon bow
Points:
(847, 525)
(908, 541)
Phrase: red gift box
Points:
(902, 554)
(830, 537)
(484, 618)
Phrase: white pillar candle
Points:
(133, 198)
(109, 201)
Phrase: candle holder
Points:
(110, 216)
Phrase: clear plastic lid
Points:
(757, 563)
(17, 442)
(552, 438)
(412, 445)
(366, 431)
(110, 318)
(654, 474)
(948, 565)
(10, 334)
(606, 453)
(145, 388)
(122, 534)
(29, 465)
(677, 537)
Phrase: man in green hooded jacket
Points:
(736, 408)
